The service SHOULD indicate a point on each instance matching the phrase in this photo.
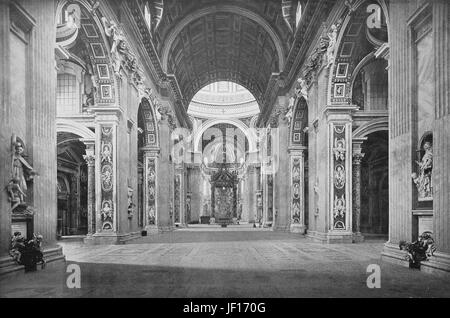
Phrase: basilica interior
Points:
(326, 119)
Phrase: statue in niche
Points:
(423, 181)
(21, 172)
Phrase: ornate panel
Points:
(148, 123)
(150, 177)
(299, 122)
(107, 179)
(340, 183)
(270, 198)
(177, 198)
(297, 188)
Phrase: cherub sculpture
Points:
(420, 250)
(17, 247)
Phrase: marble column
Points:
(179, 197)
(440, 261)
(339, 227)
(400, 133)
(106, 202)
(90, 160)
(280, 141)
(356, 190)
(297, 190)
(251, 194)
(165, 180)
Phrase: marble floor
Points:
(237, 261)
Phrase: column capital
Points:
(150, 151)
(357, 157)
(357, 153)
(297, 150)
(89, 143)
(90, 159)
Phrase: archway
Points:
(298, 152)
(226, 145)
(72, 183)
(147, 145)
(375, 185)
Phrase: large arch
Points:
(87, 44)
(226, 37)
(147, 122)
(350, 46)
(70, 126)
(378, 124)
(222, 8)
(299, 122)
(235, 122)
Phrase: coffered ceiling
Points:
(205, 41)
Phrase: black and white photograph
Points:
(224, 154)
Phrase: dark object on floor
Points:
(27, 252)
(32, 254)
(419, 250)
(144, 233)
(204, 220)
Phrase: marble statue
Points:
(16, 195)
(290, 111)
(332, 36)
(118, 45)
(21, 173)
(423, 180)
(303, 89)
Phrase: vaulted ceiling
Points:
(205, 41)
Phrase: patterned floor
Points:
(230, 262)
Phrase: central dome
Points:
(223, 99)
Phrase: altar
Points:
(223, 195)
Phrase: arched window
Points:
(298, 14)
(147, 15)
(67, 94)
